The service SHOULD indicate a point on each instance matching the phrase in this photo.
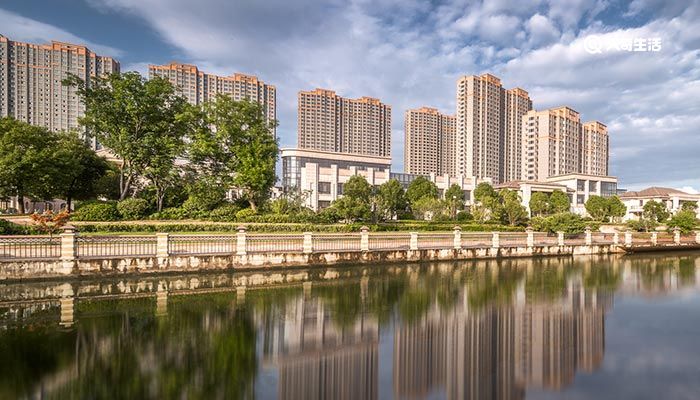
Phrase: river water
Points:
(571, 328)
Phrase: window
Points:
(580, 199)
(340, 188)
(608, 189)
(324, 187)
(323, 204)
(580, 185)
(592, 186)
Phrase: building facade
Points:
(518, 103)
(673, 199)
(429, 142)
(328, 122)
(488, 134)
(595, 146)
(198, 86)
(31, 76)
(551, 143)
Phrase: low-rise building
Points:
(322, 174)
(673, 199)
(579, 188)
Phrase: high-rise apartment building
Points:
(429, 142)
(551, 143)
(198, 86)
(487, 131)
(594, 148)
(517, 103)
(31, 76)
(328, 122)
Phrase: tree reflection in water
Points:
(483, 329)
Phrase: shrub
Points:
(96, 212)
(225, 213)
(463, 216)
(204, 196)
(10, 228)
(566, 222)
(132, 209)
(245, 213)
(685, 220)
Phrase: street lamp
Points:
(454, 207)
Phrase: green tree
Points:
(512, 210)
(454, 196)
(616, 208)
(597, 208)
(559, 202)
(107, 186)
(240, 151)
(26, 161)
(685, 220)
(655, 212)
(391, 198)
(539, 203)
(419, 188)
(130, 116)
(79, 169)
(427, 208)
(355, 203)
(689, 205)
(484, 191)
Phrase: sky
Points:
(633, 65)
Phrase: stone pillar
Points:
(457, 242)
(413, 243)
(697, 236)
(495, 240)
(364, 238)
(654, 238)
(676, 235)
(530, 237)
(67, 311)
(68, 243)
(616, 238)
(628, 238)
(589, 236)
(162, 245)
(308, 243)
(240, 241)
(560, 238)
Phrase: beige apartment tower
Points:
(31, 76)
(594, 148)
(198, 86)
(429, 142)
(328, 122)
(488, 135)
(518, 103)
(551, 143)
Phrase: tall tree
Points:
(355, 203)
(484, 191)
(419, 188)
(79, 169)
(512, 210)
(240, 151)
(392, 199)
(655, 212)
(597, 207)
(539, 203)
(559, 202)
(26, 161)
(454, 196)
(616, 208)
(129, 115)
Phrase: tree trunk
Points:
(253, 206)
(20, 203)
(159, 199)
(69, 203)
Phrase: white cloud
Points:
(19, 28)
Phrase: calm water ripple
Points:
(573, 328)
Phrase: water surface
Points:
(573, 328)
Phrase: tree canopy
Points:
(421, 187)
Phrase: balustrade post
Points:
(240, 241)
(308, 243)
(530, 237)
(616, 238)
(495, 240)
(560, 238)
(413, 243)
(676, 235)
(628, 238)
(654, 238)
(364, 238)
(162, 250)
(457, 241)
(589, 236)
(69, 248)
(697, 236)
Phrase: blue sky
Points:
(410, 53)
